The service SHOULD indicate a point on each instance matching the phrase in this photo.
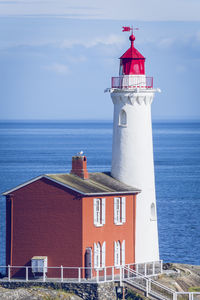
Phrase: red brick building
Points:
(75, 220)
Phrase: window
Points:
(122, 118)
(119, 253)
(99, 211)
(119, 210)
(153, 212)
(99, 255)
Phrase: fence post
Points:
(154, 268)
(113, 273)
(128, 270)
(44, 279)
(120, 275)
(191, 296)
(147, 288)
(26, 273)
(136, 268)
(145, 269)
(97, 270)
(61, 273)
(175, 296)
(161, 266)
(104, 274)
(8, 272)
(79, 274)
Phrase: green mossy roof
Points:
(97, 183)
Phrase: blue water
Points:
(30, 149)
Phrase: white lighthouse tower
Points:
(132, 151)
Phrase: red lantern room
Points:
(132, 62)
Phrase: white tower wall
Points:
(133, 164)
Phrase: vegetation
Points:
(194, 289)
(130, 295)
(59, 295)
(63, 296)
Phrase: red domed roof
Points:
(132, 52)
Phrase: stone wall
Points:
(87, 291)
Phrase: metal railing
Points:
(186, 296)
(77, 274)
(131, 82)
(139, 275)
(146, 284)
(154, 288)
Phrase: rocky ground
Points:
(181, 277)
(35, 293)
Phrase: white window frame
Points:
(99, 211)
(119, 253)
(123, 251)
(99, 255)
(119, 210)
(103, 255)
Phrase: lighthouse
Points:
(132, 94)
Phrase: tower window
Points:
(153, 212)
(122, 118)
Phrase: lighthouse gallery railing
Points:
(132, 81)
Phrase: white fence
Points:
(154, 288)
(75, 274)
(137, 275)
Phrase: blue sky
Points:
(57, 57)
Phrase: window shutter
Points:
(115, 253)
(123, 252)
(123, 209)
(103, 258)
(95, 211)
(115, 210)
(95, 255)
(103, 211)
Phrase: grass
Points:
(61, 294)
(194, 289)
(130, 295)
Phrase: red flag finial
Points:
(128, 28)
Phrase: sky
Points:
(58, 56)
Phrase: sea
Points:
(29, 149)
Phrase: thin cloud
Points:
(58, 68)
(111, 40)
(166, 42)
(107, 40)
